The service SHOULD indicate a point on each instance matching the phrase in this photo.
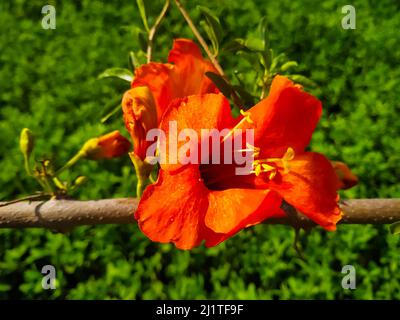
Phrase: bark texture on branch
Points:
(63, 215)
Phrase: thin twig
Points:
(33, 197)
(153, 30)
(214, 61)
(199, 37)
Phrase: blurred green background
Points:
(48, 82)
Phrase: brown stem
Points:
(66, 214)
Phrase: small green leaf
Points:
(211, 35)
(221, 83)
(121, 73)
(133, 61)
(395, 228)
(278, 60)
(254, 44)
(264, 32)
(288, 65)
(213, 20)
(212, 27)
(142, 10)
(298, 78)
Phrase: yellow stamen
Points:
(261, 165)
(267, 167)
(289, 154)
(246, 117)
(251, 148)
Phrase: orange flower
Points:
(140, 116)
(107, 146)
(346, 178)
(191, 203)
(182, 76)
(175, 208)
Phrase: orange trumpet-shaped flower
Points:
(140, 116)
(175, 208)
(191, 203)
(107, 146)
(156, 84)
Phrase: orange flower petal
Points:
(234, 209)
(184, 75)
(346, 178)
(189, 76)
(286, 118)
(173, 210)
(140, 115)
(208, 111)
(156, 76)
(310, 186)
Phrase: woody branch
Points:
(63, 215)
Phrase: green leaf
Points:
(264, 45)
(264, 32)
(288, 65)
(254, 44)
(278, 60)
(221, 83)
(298, 78)
(395, 228)
(142, 10)
(133, 61)
(212, 27)
(121, 73)
(211, 35)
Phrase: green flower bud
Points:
(81, 180)
(26, 142)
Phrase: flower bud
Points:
(110, 145)
(140, 115)
(26, 142)
(346, 178)
(79, 181)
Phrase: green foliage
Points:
(121, 73)
(48, 81)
